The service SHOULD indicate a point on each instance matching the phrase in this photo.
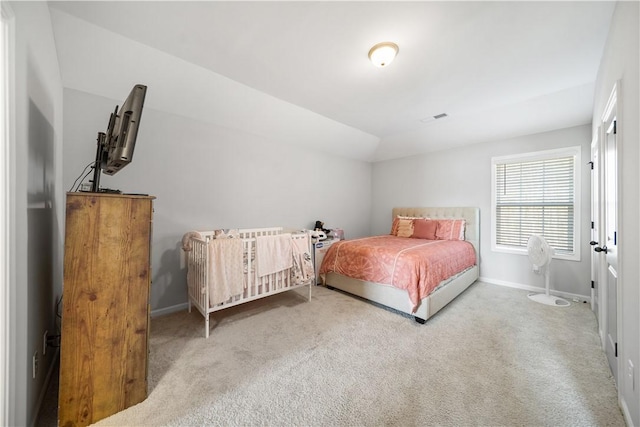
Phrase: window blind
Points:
(536, 197)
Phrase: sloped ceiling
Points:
(298, 72)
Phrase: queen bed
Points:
(393, 270)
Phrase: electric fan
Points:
(540, 254)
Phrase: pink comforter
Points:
(415, 265)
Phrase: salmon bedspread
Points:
(416, 265)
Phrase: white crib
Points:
(256, 287)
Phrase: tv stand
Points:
(101, 154)
(105, 315)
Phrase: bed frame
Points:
(256, 287)
(446, 291)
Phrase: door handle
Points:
(600, 249)
(593, 243)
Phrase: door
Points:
(609, 248)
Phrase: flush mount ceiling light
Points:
(383, 53)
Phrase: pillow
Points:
(396, 223)
(424, 228)
(394, 226)
(405, 227)
(450, 229)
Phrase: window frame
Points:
(573, 151)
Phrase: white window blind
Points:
(536, 193)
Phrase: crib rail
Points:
(255, 287)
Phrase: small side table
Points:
(320, 249)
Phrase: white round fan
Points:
(540, 254)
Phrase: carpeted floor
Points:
(492, 357)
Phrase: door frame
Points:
(597, 234)
(7, 237)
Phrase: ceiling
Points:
(497, 69)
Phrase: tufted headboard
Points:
(470, 214)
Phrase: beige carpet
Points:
(492, 358)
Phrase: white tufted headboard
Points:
(470, 214)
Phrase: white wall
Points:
(462, 177)
(97, 61)
(207, 176)
(36, 205)
(620, 62)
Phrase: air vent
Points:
(434, 118)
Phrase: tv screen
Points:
(115, 148)
(123, 130)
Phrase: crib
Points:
(255, 287)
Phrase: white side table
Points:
(320, 249)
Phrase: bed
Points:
(430, 298)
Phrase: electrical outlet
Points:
(44, 342)
(35, 364)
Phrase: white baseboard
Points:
(169, 310)
(625, 409)
(566, 295)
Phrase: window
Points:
(537, 193)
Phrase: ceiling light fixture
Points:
(383, 53)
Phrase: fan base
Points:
(549, 300)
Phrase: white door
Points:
(610, 245)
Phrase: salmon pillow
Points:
(450, 229)
(396, 224)
(405, 227)
(424, 229)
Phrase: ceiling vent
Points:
(434, 118)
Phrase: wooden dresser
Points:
(105, 316)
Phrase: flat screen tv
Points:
(116, 146)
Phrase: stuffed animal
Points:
(320, 226)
